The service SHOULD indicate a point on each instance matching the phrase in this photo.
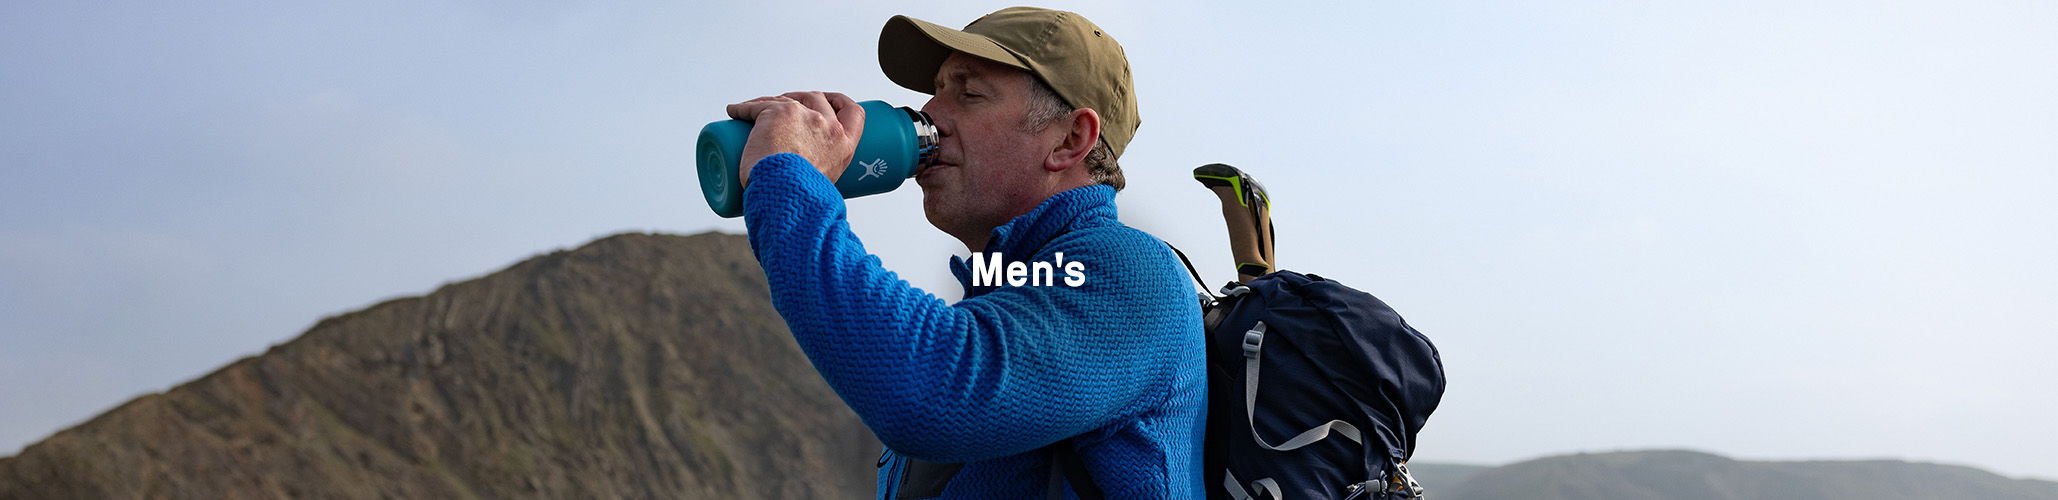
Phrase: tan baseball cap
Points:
(1085, 66)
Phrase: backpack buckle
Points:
(1254, 340)
(1359, 491)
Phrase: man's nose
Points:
(945, 119)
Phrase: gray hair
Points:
(1047, 107)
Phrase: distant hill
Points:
(1687, 475)
(638, 366)
(1440, 477)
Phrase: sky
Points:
(1778, 230)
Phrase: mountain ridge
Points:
(636, 365)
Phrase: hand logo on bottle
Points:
(876, 168)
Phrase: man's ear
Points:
(1082, 130)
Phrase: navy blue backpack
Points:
(1315, 392)
(1315, 389)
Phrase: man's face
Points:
(989, 166)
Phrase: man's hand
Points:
(822, 127)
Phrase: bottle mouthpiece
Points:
(926, 138)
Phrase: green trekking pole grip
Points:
(1248, 212)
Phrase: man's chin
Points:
(931, 211)
(932, 203)
(934, 192)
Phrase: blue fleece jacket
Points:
(1117, 361)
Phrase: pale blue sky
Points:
(1771, 229)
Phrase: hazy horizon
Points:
(1765, 230)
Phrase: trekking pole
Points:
(1248, 212)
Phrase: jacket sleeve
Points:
(990, 376)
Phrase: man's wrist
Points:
(758, 167)
(787, 170)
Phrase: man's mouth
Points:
(933, 166)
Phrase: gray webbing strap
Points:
(1266, 487)
(1253, 341)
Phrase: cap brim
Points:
(910, 51)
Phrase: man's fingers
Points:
(848, 112)
(749, 110)
(821, 127)
(813, 101)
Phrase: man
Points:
(1098, 358)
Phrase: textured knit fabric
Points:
(1118, 361)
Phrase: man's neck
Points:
(977, 239)
(978, 245)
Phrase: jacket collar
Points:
(1024, 236)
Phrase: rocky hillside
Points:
(638, 366)
(1686, 475)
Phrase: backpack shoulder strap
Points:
(1066, 467)
(1190, 270)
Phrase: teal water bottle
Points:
(898, 142)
